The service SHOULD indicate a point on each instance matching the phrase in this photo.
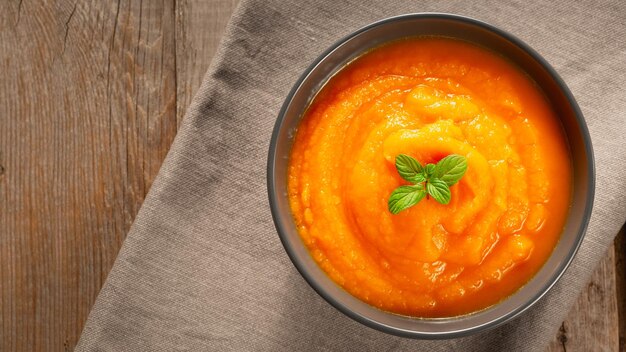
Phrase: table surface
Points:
(91, 96)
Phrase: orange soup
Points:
(428, 98)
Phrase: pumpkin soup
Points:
(428, 98)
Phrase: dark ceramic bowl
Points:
(562, 101)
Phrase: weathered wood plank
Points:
(592, 324)
(88, 111)
(620, 283)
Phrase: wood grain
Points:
(91, 94)
(593, 322)
(88, 110)
(620, 283)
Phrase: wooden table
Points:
(91, 95)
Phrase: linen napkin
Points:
(202, 267)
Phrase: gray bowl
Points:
(562, 101)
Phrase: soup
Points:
(428, 98)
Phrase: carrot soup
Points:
(428, 98)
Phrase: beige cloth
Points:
(203, 268)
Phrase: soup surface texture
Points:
(428, 98)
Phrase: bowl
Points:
(485, 35)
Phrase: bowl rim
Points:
(586, 138)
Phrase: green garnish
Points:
(434, 180)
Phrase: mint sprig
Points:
(433, 180)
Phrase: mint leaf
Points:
(404, 197)
(450, 169)
(433, 180)
(430, 169)
(410, 169)
(439, 190)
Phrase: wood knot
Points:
(563, 337)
